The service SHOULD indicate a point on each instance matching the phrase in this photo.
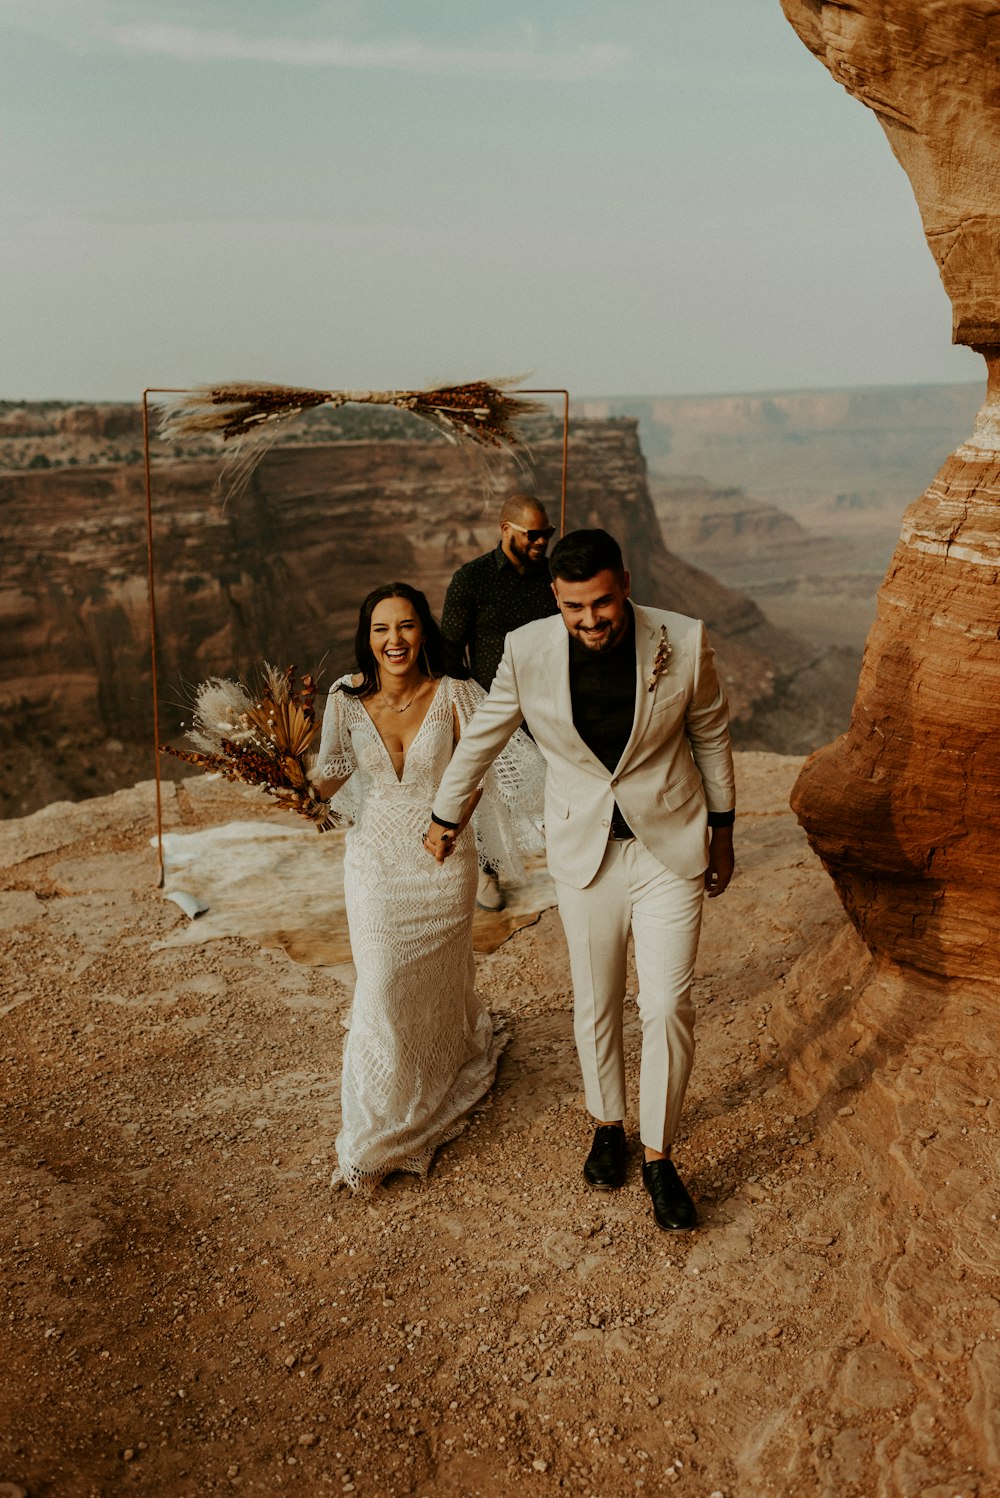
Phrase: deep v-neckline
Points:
(413, 741)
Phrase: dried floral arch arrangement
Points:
(249, 417)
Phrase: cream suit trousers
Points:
(632, 891)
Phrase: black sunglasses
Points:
(545, 534)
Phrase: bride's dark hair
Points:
(437, 656)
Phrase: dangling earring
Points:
(425, 660)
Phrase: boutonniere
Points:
(661, 660)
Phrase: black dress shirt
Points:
(486, 599)
(602, 685)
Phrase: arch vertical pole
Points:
(151, 583)
(565, 451)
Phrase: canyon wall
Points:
(927, 68)
(841, 460)
(902, 809)
(278, 574)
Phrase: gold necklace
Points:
(398, 709)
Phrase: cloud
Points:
(188, 44)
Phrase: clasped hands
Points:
(439, 841)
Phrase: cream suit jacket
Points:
(676, 766)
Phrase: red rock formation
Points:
(902, 809)
(928, 70)
(100, 421)
(278, 574)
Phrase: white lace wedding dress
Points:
(421, 1048)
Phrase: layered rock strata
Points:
(278, 574)
(928, 70)
(902, 809)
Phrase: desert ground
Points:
(190, 1308)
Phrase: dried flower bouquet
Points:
(259, 739)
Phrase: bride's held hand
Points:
(439, 842)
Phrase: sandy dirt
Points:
(189, 1308)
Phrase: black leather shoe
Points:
(605, 1166)
(672, 1207)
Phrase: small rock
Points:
(291, 1360)
(844, 1112)
(539, 1465)
(309, 1439)
(926, 1134)
(128, 1455)
(980, 1102)
(774, 1332)
(653, 1401)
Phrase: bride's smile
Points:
(396, 637)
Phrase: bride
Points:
(421, 1048)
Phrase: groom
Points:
(626, 708)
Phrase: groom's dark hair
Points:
(582, 554)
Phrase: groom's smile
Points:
(595, 611)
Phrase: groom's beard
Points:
(603, 638)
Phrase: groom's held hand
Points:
(721, 861)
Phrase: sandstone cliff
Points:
(279, 573)
(927, 68)
(902, 809)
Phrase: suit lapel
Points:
(645, 648)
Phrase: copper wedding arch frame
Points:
(151, 567)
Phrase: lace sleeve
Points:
(336, 760)
(508, 820)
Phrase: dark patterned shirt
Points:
(486, 599)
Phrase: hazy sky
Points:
(652, 196)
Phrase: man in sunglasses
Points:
(494, 594)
